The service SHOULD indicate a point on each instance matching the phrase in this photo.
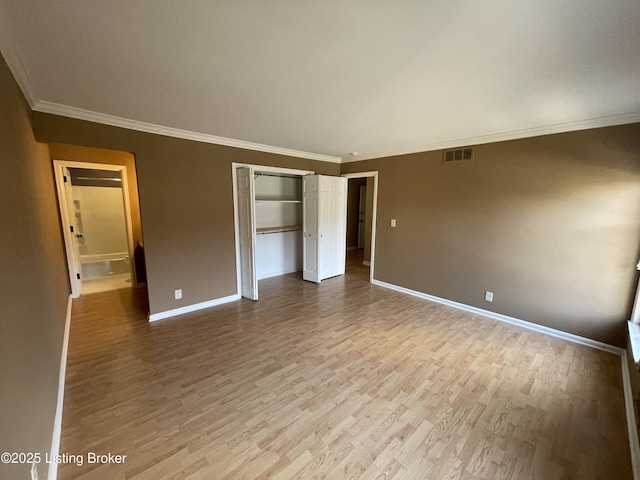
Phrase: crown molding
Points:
(19, 71)
(88, 115)
(501, 137)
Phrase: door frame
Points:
(374, 213)
(361, 199)
(73, 263)
(236, 226)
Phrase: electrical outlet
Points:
(34, 471)
(393, 222)
(488, 296)
(178, 294)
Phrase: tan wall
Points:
(186, 202)
(353, 199)
(35, 285)
(550, 224)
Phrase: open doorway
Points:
(95, 211)
(362, 195)
(98, 220)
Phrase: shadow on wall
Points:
(550, 224)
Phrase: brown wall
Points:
(550, 224)
(35, 285)
(186, 203)
(353, 199)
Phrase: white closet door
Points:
(324, 226)
(247, 233)
(310, 228)
(332, 223)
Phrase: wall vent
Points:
(458, 154)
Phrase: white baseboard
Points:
(192, 308)
(634, 443)
(505, 318)
(57, 422)
(632, 430)
(286, 271)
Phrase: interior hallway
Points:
(343, 379)
(354, 265)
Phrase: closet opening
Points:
(287, 221)
(278, 217)
(268, 221)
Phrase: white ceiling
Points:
(331, 77)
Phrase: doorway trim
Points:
(374, 214)
(236, 226)
(73, 263)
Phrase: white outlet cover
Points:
(393, 222)
(178, 294)
(488, 296)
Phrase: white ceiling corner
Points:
(16, 66)
(330, 77)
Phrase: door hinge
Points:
(71, 227)
(78, 276)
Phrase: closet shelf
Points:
(265, 200)
(286, 228)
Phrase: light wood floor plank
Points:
(342, 380)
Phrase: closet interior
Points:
(289, 222)
(278, 224)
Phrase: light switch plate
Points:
(393, 222)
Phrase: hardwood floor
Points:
(338, 380)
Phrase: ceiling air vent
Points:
(458, 154)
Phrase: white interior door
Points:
(310, 228)
(332, 224)
(247, 233)
(324, 226)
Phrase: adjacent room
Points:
(338, 240)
